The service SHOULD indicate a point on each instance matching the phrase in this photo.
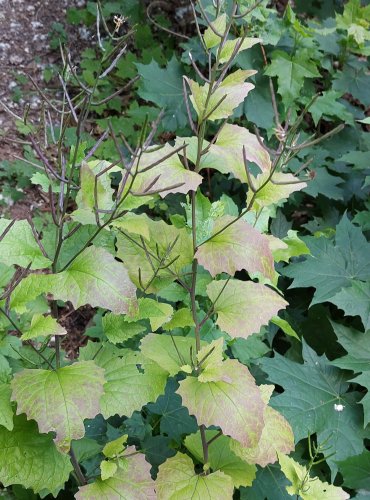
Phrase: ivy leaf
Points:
(43, 326)
(168, 247)
(237, 300)
(239, 246)
(357, 345)
(106, 285)
(221, 457)
(210, 38)
(42, 466)
(118, 329)
(19, 246)
(132, 381)
(226, 155)
(60, 400)
(175, 418)
(232, 402)
(277, 190)
(233, 90)
(332, 265)
(163, 87)
(354, 300)
(306, 487)
(171, 353)
(6, 410)
(355, 81)
(355, 471)
(291, 71)
(131, 481)
(177, 480)
(315, 401)
(277, 437)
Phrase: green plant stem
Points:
(76, 466)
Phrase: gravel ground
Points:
(25, 50)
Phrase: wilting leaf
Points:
(243, 307)
(94, 278)
(239, 246)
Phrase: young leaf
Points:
(293, 247)
(114, 448)
(232, 402)
(180, 319)
(107, 469)
(157, 312)
(118, 329)
(132, 381)
(31, 459)
(221, 457)
(239, 246)
(243, 307)
(60, 400)
(306, 487)
(19, 246)
(230, 45)
(170, 352)
(84, 282)
(43, 326)
(177, 480)
(131, 481)
(211, 39)
(232, 91)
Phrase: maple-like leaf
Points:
(315, 401)
(31, 459)
(291, 71)
(233, 401)
(132, 481)
(59, 400)
(306, 487)
(232, 91)
(221, 457)
(239, 246)
(163, 86)
(332, 265)
(243, 307)
(19, 246)
(177, 480)
(354, 300)
(94, 278)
